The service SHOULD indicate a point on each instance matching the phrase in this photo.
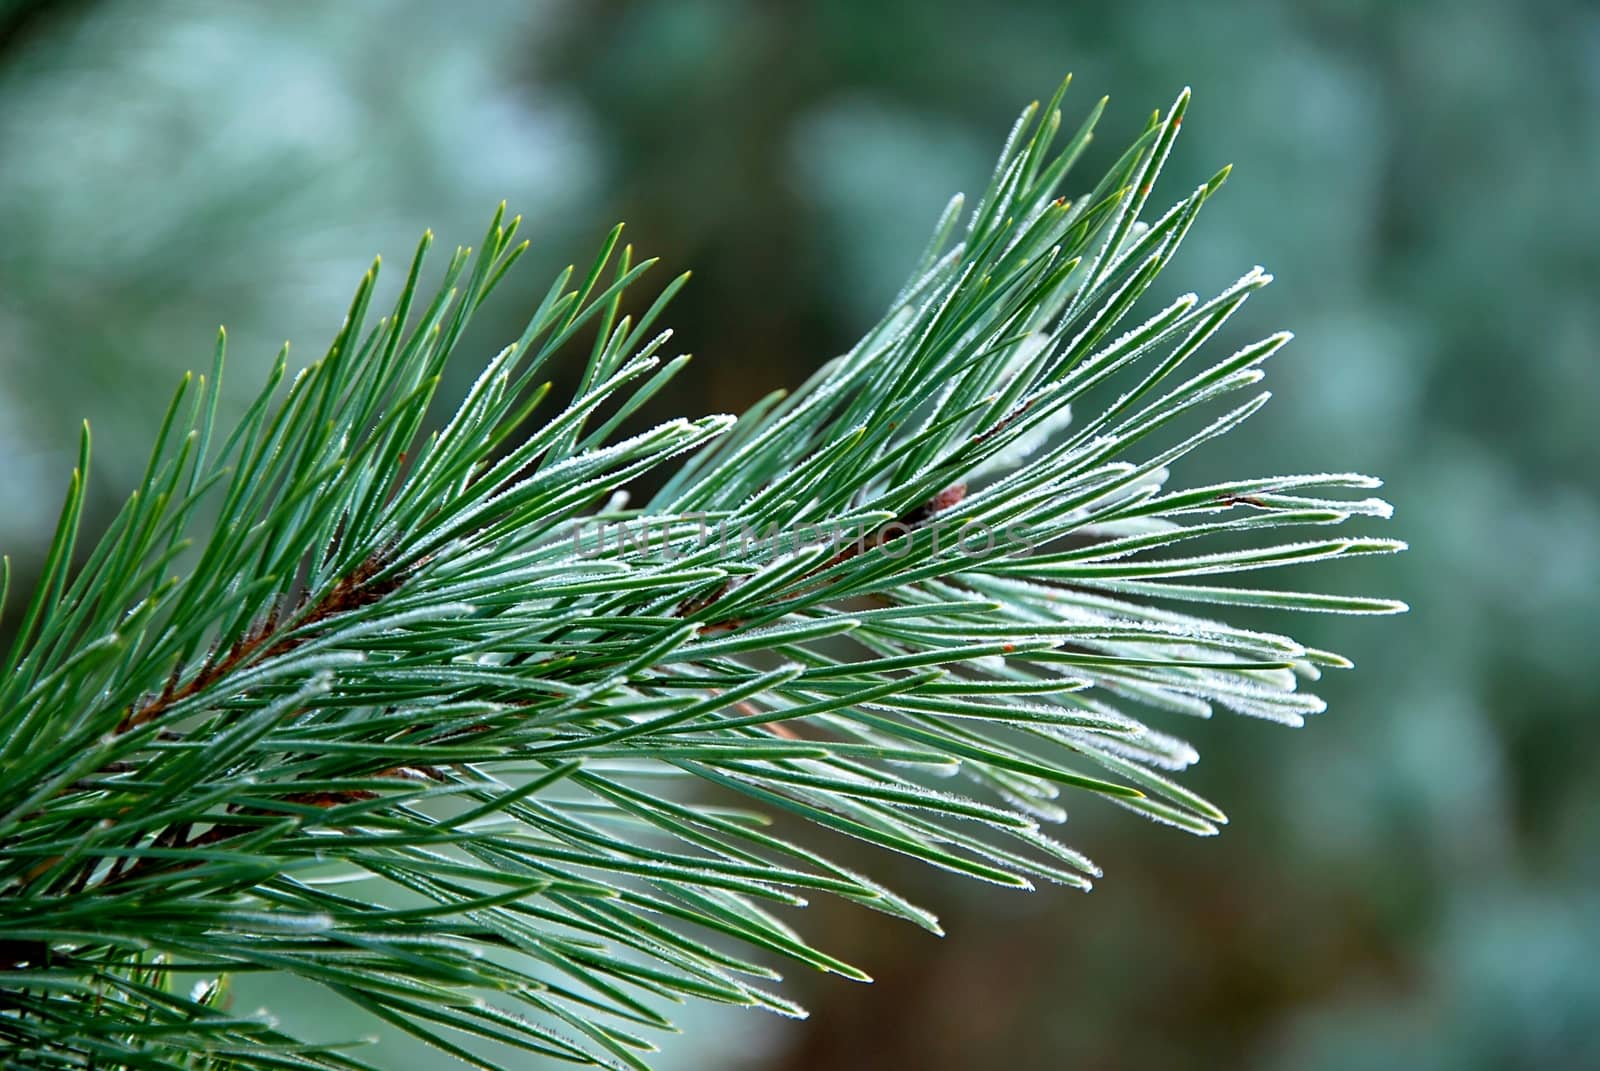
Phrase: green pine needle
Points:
(429, 718)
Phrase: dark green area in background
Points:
(1410, 881)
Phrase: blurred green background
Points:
(1410, 881)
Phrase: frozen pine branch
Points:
(439, 721)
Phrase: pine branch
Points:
(419, 716)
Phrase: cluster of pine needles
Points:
(382, 707)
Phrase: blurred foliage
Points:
(1413, 882)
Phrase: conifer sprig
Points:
(429, 718)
